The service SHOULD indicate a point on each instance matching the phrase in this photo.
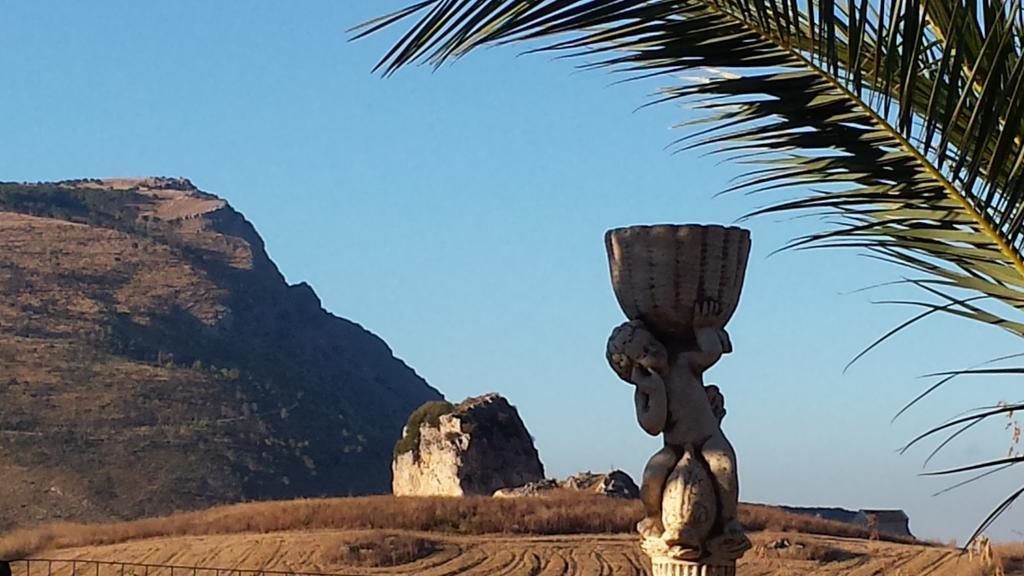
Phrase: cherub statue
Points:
(671, 400)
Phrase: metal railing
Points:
(78, 567)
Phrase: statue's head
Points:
(632, 344)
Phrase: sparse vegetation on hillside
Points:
(101, 207)
(988, 559)
(1011, 556)
(561, 513)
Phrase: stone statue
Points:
(679, 285)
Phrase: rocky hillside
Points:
(474, 448)
(153, 358)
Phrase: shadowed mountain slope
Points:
(153, 358)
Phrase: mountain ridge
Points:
(153, 358)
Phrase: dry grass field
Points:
(558, 514)
(446, 536)
(331, 551)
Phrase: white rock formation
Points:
(476, 447)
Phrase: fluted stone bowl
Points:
(660, 272)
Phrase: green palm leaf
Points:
(905, 116)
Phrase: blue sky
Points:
(460, 214)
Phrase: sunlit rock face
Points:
(476, 447)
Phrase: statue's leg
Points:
(651, 488)
(721, 459)
(689, 506)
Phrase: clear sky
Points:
(460, 215)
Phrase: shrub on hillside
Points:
(378, 550)
(430, 414)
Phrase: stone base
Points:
(670, 567)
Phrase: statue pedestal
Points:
(672, 567)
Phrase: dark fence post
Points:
(5, 568)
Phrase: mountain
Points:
(153, 359)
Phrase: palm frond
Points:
(906, 117)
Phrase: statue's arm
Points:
(640, 359)
(717, 401)
(650, 400)
(711, 339)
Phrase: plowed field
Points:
(310, 551)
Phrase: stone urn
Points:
(660, 272)
(679, 285)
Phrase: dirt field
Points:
(378, 535)
(312, 551)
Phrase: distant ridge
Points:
(153, 359)
(893, 522)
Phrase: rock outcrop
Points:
(475, 447)
(153, 359)
(891, 522)
(615, 484)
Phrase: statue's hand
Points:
(711, 338)
(707, 326)
(647, 381)
(706, 314)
